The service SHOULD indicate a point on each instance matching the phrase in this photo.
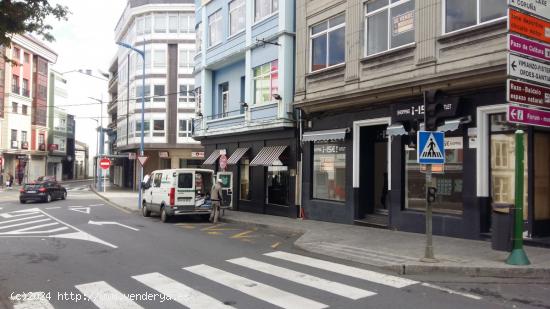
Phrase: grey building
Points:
(362, 68)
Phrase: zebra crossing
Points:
(105, 295)
(29, 222)
(79, 188)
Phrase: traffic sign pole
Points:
(429, 252)
(518, 255)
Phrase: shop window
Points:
(266, 82)
(328, 40)
(460, 14)
(277, 185)
(388, 25)
(329, 171)
(244, 179)
(448, 178)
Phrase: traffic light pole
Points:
(429, 252)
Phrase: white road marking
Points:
(20, 219)
(56, 207)
(35, 303)
(355, 272)
(84, 210)
(24, 223)
(259, 290)
(440, 288)
(112, 223)
(179, 292)
(96, 205)
(105, 296)
(305, 279)
(20, 213)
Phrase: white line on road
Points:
(105, 296)
(259, 290)
(96, 205)
(21, 219)
(24, 223)
(305, 279)
(35, 303)
(355, 272)
(56, 207)
(112, 223)
(179, 292)
(440, 288)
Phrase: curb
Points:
(411, 269)
(115, 205)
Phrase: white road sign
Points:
(538, 7)
(528, 69)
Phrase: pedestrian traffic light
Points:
(411, 127)
(433, 106)
(431, 194)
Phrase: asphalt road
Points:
(84, 253)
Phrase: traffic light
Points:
(411, 127)
(433, 107)
(431, 194)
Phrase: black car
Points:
(42, 191)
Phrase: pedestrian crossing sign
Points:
(431, 147)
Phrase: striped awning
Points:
(212, 158)
(237, 155)
(268, 155)
(325, 135)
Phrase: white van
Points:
(173, 192)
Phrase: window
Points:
(16, 54)
(263, 8)
(147, 24)
(278, 185)
(198, 99)
(23, 136)
(159, 60)
(24, 109)
(388, 25)
(62, 145)
(27, 58)
(157, 180)
(42, 92)
(186, 22)
(159, 95)
(147, 93)
(15, 84)
(173, 23)
(266, 82)
(158, 127)
(184, 128)
(215, 28)
(198, 38)
(160, 23)
(460, 14)
(245, 179)
(329, 171)
(186, 58)
(147, 59)
(42, 67)
(13, 136)
(14, 108)
(237, 14)
(41, 139)
(224, 99)
(328, 43)
(139, 25)
(186, 94)
(25, 89)
(185, 181)
(145, 128)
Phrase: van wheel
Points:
(163, 215)
(145, 211)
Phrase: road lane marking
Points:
(24, 223)
(94, 205)
(355, 272)
(104, 296)
(218, 228)
(56, 207)
(20, 219)
(20, 213)
(440, 288)
(255, 289)
(185, 226)
(112, 223)
(35, 303)
(243, 235)
(84, 210)
(179, 292)
(214, 233)
(305, 279)
(275, 245)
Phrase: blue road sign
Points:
(431, 147)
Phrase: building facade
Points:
(81, 160)
(244, 87)
(362, 69)
(165, 31)
(57, 125)
(23, 125)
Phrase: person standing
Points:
(10, 179)
(216, 197)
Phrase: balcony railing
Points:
(225, 114)
(15, 89)
(42, 147)
(24, 145)
(25, 92)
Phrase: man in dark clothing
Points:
(216, 197)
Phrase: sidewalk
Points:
(392, 250)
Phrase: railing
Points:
(15, 89)
(225, 114)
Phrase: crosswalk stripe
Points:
(179, 292)
(259, 290)
(355, 272)
(305, 279)
(105, 296)
(21, 219)
(35, 303)
(24, 223)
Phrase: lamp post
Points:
(142, 54)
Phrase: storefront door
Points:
(541, 184)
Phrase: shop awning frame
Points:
(211, 160)
(325, 135)
(268, 155)
(237, 155)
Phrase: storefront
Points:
(264, 170)
(360, 167)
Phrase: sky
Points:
(86, 41)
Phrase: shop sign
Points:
(132, 155)
(528, 69)
(537, 7)
(453, 142)
(528, 47)
(405, 112)
(197, 154)
(22, 157)
(223, 162)
(528, 116)
(529, 26)
(403, 23)
(526, 93)
(328, 148)
(164, 154)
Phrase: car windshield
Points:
(33, 186)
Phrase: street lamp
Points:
(142, 54)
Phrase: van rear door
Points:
(185, 190)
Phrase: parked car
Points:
(44, 191)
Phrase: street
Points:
(85, 253)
